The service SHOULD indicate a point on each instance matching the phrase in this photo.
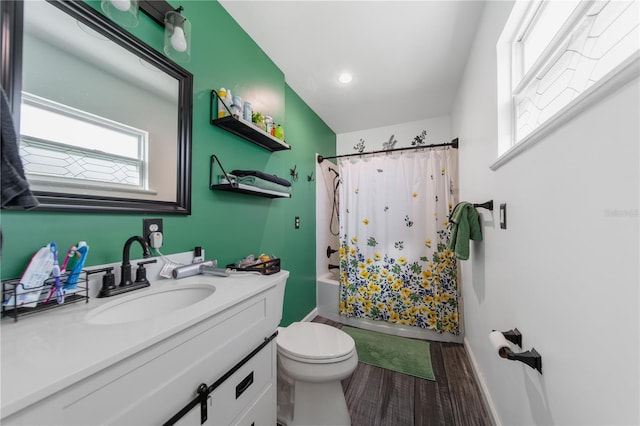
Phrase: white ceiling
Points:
(406, 57)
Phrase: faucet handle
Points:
(108, 283)
(141, 272)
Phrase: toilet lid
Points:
(310, 340)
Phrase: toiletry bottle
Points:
(229, 100)
(236, 107)
(280, 132)
(247, 111)
(222, 94)
(268, 122)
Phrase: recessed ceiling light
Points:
(345, 77)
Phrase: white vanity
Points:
(106, 363)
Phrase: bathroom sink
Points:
(150, 304)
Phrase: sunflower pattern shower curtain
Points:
(394, 265)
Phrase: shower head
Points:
(334, 171)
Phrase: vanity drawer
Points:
(262, 412)
(244, 386)
(245, 393)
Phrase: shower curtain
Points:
(394, 228)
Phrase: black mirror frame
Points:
(11, 27)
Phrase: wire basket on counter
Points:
(19, 301)
(267, 267)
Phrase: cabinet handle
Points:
(203, 395)
(244, 385)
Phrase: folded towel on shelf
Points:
(15, 188)
(261, 175)
(465, 226)
(258, 183)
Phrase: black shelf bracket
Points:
(212, 185)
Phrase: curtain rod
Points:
(453, 144)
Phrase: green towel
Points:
(465, 225)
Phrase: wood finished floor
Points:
(379, 397)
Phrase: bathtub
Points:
(327, 294)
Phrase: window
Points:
(558, 53)
(76, 148)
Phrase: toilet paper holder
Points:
(514, 336)
(531, 357)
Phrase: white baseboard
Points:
(311, 315)
(486, 396)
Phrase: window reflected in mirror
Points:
(64, 147)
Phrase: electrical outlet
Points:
(149, 226)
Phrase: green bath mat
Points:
(394, 353)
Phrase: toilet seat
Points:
(315, 343)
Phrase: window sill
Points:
(37, 183)
(618, 77)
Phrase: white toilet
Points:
(312, 360)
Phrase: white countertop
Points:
(48, 351)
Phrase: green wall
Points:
(227, 225)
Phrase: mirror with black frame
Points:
(104, 119)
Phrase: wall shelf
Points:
(246, 130)
(246, 189)
(226, 183)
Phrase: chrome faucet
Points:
(125, 268)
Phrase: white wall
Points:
(565, 271)
(325, 210)
(438, 131)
